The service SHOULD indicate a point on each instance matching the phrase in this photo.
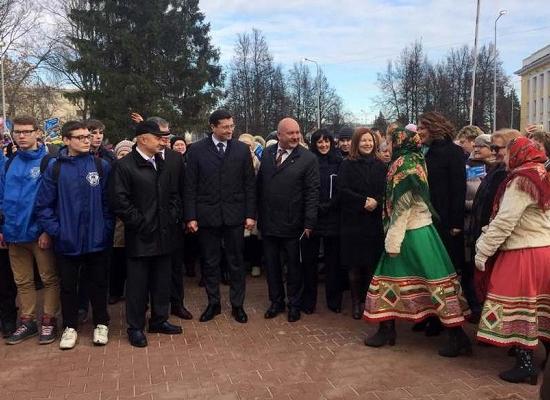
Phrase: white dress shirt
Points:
(147, 158)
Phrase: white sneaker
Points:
(101, 333)
(68, 339)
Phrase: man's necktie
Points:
(220, 149)
(279, 159)
(152, 162)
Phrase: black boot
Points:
(458, 343)
(356, 311)
(433, 327)
(385, 335)
(547, 348)
(355, 283)
(420, 326)
(523, 371)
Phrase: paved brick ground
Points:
(320, 357)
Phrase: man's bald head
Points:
(288, 132)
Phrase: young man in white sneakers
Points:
(72, 208)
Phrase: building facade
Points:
(535, 89)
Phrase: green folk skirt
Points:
(418, 283)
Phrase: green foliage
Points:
(150, 57)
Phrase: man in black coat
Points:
(288, 187)
(145, 198)
(174, 165)
(219, 201)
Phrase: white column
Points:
(545, 95)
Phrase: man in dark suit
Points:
(288, 187)
(174, 165)
(219, 201)
(145, 198)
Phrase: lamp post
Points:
(3, 86)
(500, 14)
(472, 92)
(318, 92)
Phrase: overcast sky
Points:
(353, 39)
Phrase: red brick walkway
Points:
(320, 357)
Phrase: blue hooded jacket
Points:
(73, 208)
(18, 189)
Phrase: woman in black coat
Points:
(447, 180)
(361, 184)
(326, 229)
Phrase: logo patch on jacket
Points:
(35, 172)
(93, 178)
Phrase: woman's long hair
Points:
(354, 153)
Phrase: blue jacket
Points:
(18, 189)
(73, 208)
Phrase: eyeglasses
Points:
(496, 148)
(82, 138)
(24, 133)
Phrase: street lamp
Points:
(472, 92)
(3, 87)
(318, 92)
(500, 14)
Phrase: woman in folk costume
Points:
(516, 311)
(415, 278)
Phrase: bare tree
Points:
(27, 47)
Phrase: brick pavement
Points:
(320, 357)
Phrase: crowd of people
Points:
(420, 223)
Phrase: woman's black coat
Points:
(328, 212)
(361, 231)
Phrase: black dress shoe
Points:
(211, 311)
(239, 315)
(273, 311)
(180, 312)
(166, 328)
(137, 338)
(293, 315)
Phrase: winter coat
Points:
(147, 202)
(482, 207)
(72, 207)
(289, 194)
(18, 189)
(328, 214)
(447, 180)
(519, 224)
(361, 231)
(105, 154)
(219, 190)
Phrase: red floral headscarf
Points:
(526, 163)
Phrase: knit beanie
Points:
(123, 145)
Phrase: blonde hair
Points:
(506, 134)
(260, 140)
(246, 138)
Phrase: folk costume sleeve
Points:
(398, 223)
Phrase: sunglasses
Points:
(496, 148)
